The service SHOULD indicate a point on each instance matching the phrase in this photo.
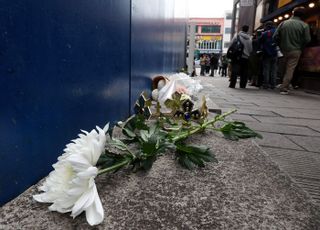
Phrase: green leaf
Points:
(118, 144)
(147, 163)
(132, 123)
(128, 132)
(238, 130)
(109, 159)
(190, 156)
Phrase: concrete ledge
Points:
(245, 190)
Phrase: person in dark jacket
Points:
(255, 61)
(213, 64)
(241, 67)
(269, 58)
(293, 36)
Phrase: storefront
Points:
(208, 35)
(308, 68)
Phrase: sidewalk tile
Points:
(277, 141)
(282, 129)
(311, 144)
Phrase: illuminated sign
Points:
(281, 3)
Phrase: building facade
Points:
(208, 35)
(227, 31)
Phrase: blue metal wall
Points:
(71, 65)
(158, 41)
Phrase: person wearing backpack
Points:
(269, 58)
(242, 46)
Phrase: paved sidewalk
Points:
(290, 125)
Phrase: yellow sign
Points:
(281, 3)
(206, 38)
(210, 38)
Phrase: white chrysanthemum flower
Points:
(71, 187)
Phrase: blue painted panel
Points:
(71, 65)
(158, 42)
(64, 66)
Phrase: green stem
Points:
(203, 126)
(131, 153)
(114, 167)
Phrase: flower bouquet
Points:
(71, 187)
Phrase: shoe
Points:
(284, 92)
(296, 87)
(231, 87)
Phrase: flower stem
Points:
(114, 167)
(203, 126)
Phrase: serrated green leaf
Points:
(238, 130)
(118, 144)
(185, 162)
(109, 159)
(128, 132)
(147, 163)
(192, 155)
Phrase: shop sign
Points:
(310, 60)
(209, 38)
(246, 2)
(281, 3)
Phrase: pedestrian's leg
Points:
(223, 72)
(273, 72)
(292, 61)
(243, 73)
(212, 71)
(202, 70)
(266, 65)
(234, 74)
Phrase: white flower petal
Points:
(82, 203)
(71, 187)
(94, 213)
(106, 127)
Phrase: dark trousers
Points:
(203, 67)
(239, 68)
(224, 71)
(269, 71)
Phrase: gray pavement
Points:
(290, 125)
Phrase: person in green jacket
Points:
(292, 36)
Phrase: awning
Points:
(282, 10)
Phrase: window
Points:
(226, 44)
(227, 30)
(210, 29)
(229, 16)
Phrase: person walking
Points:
(240, 67)
(292, 35)
(269, 58)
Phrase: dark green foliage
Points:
(132, 124)
(237, 130)
(109, 159)
(190, 156)
(151, 143)
(145, 140)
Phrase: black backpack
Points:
(235, 51)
